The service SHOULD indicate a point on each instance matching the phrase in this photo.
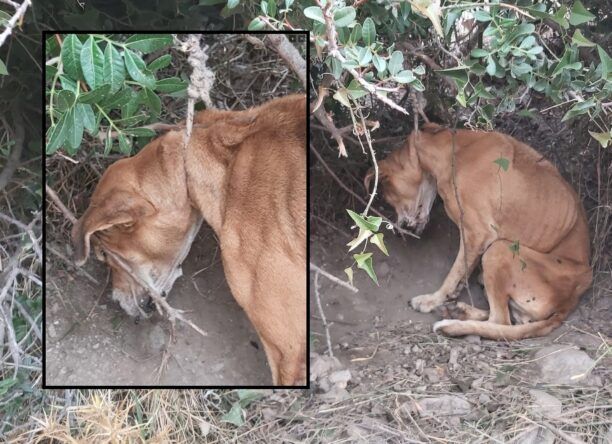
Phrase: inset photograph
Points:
(176, 210)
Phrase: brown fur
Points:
(244, 172)
(530, 202)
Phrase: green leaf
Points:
(68, 83)
(74, 129)
(160, 63)
(580, 14)
(108, 142)
(482, 16)
(368, 32)
(87, 116)
(247, 396)
(124, 144)
(371, 223)
(362, 236)
(314, 13)
(272, 8)
(92, 63)
(95, 95)
(152, 99)
(71, 56)
(503, 163)
(579, 109)
(119, 99)
(147, 43)
(606, 62)
(515, 247)
(396, 62)
(419, 70)
(379, 63)
(364, 262)
(491, 66)
(234, 416)
(132, 120)
(479, 52)
(580, 40)
(405, 76)
(602, 138)
(355, 34)
(137, 69)
(342, 96)
(3, 70)
(113, 70)
(355, 90)
(231, 4)
(65, 100)
(139, 132)
(349, 273)
(344, 16)
(256, 24)
(57, 135)
(377, 240)
(170, 85)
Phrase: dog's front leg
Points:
(453, 284)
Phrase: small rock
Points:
(432, 375)
(472, 339)
(419, 366)
(545, 404)
(415, 349)
(446, 405)
(407, 351)
(560, 364)
(484, 398)
(96, 346)
(454, 356)
(52, 331)
(341, 377)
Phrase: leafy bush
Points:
(98, 83)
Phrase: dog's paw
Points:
(426, 302)
(445, 326)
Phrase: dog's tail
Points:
(490, 330)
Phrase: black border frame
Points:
(306, 34)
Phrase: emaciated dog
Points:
(244, 173)
(526, 223)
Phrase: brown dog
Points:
(244, 173)
(536, 282)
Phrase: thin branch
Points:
(322, 314)
(290, 55)
(333, 278)
(323, 117)
(373, 154)
(13, 21)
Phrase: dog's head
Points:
(405, 186)
(140, 212)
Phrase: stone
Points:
(560, 364)
(446, 405)
(544, 404)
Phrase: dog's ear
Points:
(232, 131)
(120, 207)
(432, 128)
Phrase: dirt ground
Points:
(106, 347)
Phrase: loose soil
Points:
(109, 348)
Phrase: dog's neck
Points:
(206, 176)
(434, 160)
